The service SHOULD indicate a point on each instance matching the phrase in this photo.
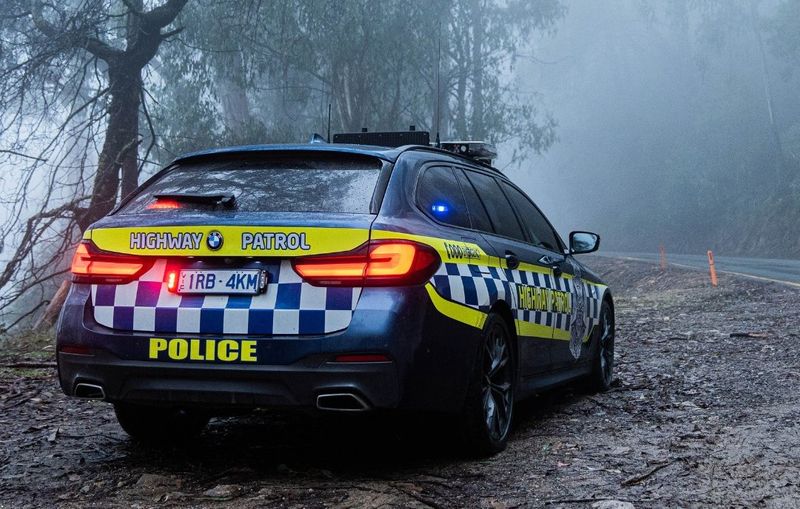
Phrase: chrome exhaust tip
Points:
(89, 391)
(341, 402)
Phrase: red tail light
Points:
(92, 266)
(378, 263)
(162, 203)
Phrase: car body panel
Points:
(142, 342)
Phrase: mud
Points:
(705, 411)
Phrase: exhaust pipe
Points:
(89, 391)
(341, 402)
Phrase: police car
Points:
(346, 277)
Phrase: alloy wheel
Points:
(497, 383)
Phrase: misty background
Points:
(670, 123)
(664, 129)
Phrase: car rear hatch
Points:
(206, 247)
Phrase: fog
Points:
(650, 122)
(664, 132)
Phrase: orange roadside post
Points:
(712, 269)
(662, 256)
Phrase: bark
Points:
(51, 312)
(477, 127)
(117, 169)
(462, 63)
(117, 163)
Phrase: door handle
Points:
(557, 271)
(511, 260)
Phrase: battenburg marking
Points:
(166, 240)
(279, 241)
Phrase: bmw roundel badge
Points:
(214, 240)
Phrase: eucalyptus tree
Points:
(71, 93)
(88, 88)
(378, 64)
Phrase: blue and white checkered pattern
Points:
(289, 306)
(480, 287)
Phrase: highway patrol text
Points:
(543, 299)
(166, 240)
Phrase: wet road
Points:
(772, 269)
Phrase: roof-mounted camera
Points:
(480, 151)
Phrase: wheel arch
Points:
(607, 297)
(503, 309)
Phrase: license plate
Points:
(245, 281)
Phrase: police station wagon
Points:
(338, 277)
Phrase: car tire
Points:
(159, 425)
(489, 406)
(603, 359)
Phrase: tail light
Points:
(163, 204)
(89, 265)
(378, 263)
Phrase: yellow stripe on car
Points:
(459, 312)
(277, 241)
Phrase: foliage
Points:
(90, 94)
(374, 62)
(70, 96)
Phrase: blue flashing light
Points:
(440, 208)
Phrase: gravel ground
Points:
(705, 412)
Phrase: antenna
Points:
(437, 114)
(329, 122)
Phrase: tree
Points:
(88, 90)
(70, 72)
(375, 62)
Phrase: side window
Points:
(439, 196)
(477, 212)
(500, 212)
(540, 231)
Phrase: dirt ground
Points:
(705, 412)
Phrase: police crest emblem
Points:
(577, 327)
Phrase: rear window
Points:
(279, 185)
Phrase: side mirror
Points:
(583, 242)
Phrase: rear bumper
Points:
(431, 357)
(296, 385)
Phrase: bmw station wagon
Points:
(337, 277)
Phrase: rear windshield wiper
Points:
(226, 200)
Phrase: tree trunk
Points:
(462, 67)
(235, 103)
(51, 312)
(776, 137)
(477, 128)
(119, 148)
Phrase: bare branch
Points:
(20, 154)
(74, 39)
